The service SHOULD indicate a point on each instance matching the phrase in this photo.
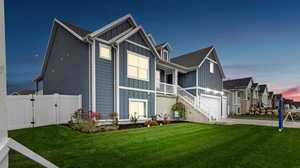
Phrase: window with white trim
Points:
(138, 66)
(105, 51)
(137, 108)
(165, 55)
(211, 67)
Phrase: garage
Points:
(214, 105)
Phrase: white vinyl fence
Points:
(40, 110)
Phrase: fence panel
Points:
(43, 110)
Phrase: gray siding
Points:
(115, 31)
(187, 80)
(104, 84)
(128, 82)
(125, 95)
(210, 80)
(67, 70)
(137, 37)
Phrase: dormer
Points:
(164, 50)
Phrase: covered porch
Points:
(166, 79)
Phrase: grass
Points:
(175, 145)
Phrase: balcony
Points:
(165, 88)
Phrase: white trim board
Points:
(139, 100)
(139, 45)
(137, 89)
(94, 76)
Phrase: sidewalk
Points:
(272, 123)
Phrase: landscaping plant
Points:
(178, 109)
(114, 117)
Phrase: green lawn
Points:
(176, 145)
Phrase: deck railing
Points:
(166, 88)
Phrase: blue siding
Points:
(104, 84)
(67, 70)
(125, 95)
(187, 79)
(128, 82)
(210, 80)
(115, 31)
(137, 37)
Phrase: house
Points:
(297, 105)
(271, 99)
(241, 90)
(263, 95)
(254, 95)
(277, 98)
(121, 68)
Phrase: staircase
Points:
(193, 101)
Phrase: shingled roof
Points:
(192, 59)
(80, 31)
(261, 88)
(254, 85)
(241, 83)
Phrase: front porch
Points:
(166, 80)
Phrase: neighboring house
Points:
(254, 95)
(24, 92)
(263, 95)
(297, 105)
(241, 90)
(277, 98)
(120, 68)
(271, 99)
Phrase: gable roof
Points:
(163, 45)
(254, 85)
(261, 88)
(241, 83)
(80, 31)
(192, 59)
(271, 94)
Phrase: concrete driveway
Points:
(272, 123)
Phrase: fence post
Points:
(56, 104)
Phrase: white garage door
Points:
(212, 104)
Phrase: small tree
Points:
(178, 109)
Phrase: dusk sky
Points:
(260, 38)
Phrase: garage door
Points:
(211, 104)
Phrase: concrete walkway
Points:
(272, 123)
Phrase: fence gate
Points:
(40, 110)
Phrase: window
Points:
(105, 52)
(165, 55)
(138, 108)
(211, 67)
(138, 66)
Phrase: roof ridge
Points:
(193, 52)
(238, 79)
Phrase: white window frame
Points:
(139, 55)
(139, 100)
(211, 67)
(105, 46)
(163, 55)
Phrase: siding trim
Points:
(205, 89)
(137, 89)
(139, 45)
(118, 80)
(94, 76)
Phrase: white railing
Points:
(193, 100)
(166, 88)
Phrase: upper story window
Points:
(105, 51)
(165, 55)
(211, 67)
(138, 66)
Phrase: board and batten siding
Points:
(125, 95)
(104, 83)
(115, 31)
(210, 80)
(187, 79)
(134, 83)
(67, 70)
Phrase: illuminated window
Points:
(138, 66)
(137, 108)
(211, 67)
(105, 52)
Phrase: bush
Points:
(114, 117)
(151, 123)
(166, 121)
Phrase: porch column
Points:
(175, 80)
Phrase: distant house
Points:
(121, 68)
(254, 95)
(241, 90)
(276, 98)
(297, 105)
(263, 95)
(24, 92)
(271, 99)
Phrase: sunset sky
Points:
(253, 38)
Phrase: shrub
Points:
(166, 121)
(151, 123)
